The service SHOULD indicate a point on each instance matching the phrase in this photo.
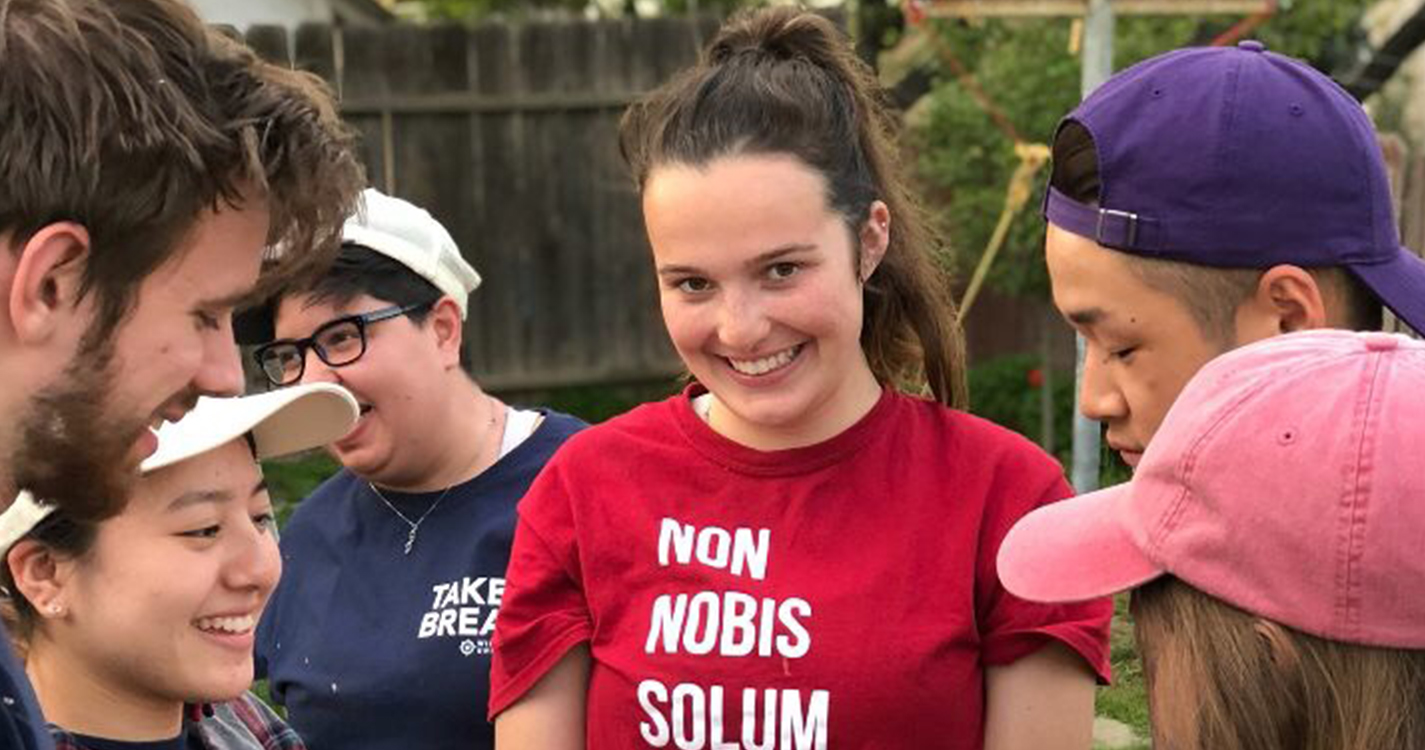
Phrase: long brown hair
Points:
(787, 81)
(1220, 678)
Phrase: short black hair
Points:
(357, 270)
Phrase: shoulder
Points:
(559, 425)
(968, 441)
(653, 420)
(610, 454)
(247, 722)
(325, 502)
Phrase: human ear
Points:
(40, 576)
(1287, 299)
(48, 274)
(875, 237)
(449, 331)
(1281, 649)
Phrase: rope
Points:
(1032, 158)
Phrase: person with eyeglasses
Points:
(378, 636)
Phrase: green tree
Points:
(1027, 68)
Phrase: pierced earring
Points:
(55, 610)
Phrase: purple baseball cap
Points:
(1242, 158)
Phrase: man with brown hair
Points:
(1205, 199)
(146, 165)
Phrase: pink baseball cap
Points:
(1287, 480)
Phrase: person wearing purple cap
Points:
(1207, 198)
(1272, 537)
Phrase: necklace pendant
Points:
(410, 541)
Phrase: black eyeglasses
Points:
(338, 343)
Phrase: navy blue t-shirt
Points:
(373, 649)
(22, 727)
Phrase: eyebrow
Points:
(1086, 317)
(197, 497)
(761, 260)
(228, 300)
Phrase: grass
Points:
(1126, 699)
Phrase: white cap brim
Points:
(287, 420)
(282, 422)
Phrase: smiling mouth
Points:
(226, 625)
(765, 365)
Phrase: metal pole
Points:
(1098, 66)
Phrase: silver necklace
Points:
(416, 524)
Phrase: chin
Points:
(221, 684)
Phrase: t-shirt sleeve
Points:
(544, 612)
(1012, 628)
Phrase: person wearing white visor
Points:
(379, 637)
(137, 630)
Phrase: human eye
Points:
(265, 521)
(693, 285)
(204, 532)
(782, 270)
(1123, 353)
(207, 320)
(339, 337)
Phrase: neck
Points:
(470, 432)
(75, 696)
(853, 399)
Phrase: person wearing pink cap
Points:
(1272, 535)
(137, 630)
(1207, 198)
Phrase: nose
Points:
(254, 562)
(742, 321)
(1099, 397)
(220, 371)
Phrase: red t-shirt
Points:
(840, 595)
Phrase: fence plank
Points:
(508, 135)
(270, 42)
(314, 50)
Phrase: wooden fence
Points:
(508, 135)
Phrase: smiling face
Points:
(399, 383)
(161, 610)
(176, 344)
(761, 296)
(1142, 345)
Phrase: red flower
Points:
(1036, 378)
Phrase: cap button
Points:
(1380, 342)
(1252, 45)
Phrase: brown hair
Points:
(131, 117)
(1225, 679)
(1210, 294)
(786, 81)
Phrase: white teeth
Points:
(227, 624)
(766, 364)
